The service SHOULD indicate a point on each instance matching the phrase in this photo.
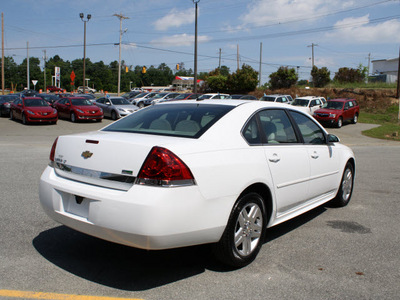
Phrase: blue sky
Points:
(162, 31)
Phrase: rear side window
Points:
(181, 120)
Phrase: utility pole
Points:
(369, 64)
(259, 73)
(2, 53)
(44, 70)
(195, 47)
(120, 17)
(27, 65)
(237, 57)
(219, 64)
(312, 51)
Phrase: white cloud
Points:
(365, 33)
(175, 18)
(267, 12)
(180, 40)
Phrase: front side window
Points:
(311, 132)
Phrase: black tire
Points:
(141, 105)
(355, 119)
(99, 120)
(24, 121)
(244, 234)
(114, 115)
(73, 117)
(11, 115)
(345, 191)
(339, 122)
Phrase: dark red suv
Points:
(338, 111)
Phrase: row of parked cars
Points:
(48, 107)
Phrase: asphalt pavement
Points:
(327, 253)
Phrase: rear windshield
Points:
(181, 120)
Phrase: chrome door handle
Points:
(275, 158)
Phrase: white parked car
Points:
(310, 103)
(277, 98)
(87, 90)
(214, 96)
(194, 172)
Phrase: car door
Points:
(286, 160)
(17, 108)
(323, 157)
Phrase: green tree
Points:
(345, 75)
(283, 78)
(320, 77)
(11, 77)
(243, 81)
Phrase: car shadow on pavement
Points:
(118, 266)
(132, 269)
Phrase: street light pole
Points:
(195, 48)
(81, 15)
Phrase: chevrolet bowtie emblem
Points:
(86, 154)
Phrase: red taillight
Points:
(53, 150)
(162, 167)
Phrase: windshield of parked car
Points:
(150, 95)
(181, 120)
(268, 98)
(160, 95)
(202, 97)
(182, 96)
(81, 102)
(300, 102)
(120, 101)
(35, 102)
(334, 105)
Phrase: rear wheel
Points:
(346, 187)
(244, 233)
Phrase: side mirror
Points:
(333, 139)
(68, 104)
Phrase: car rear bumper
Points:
(142, 217)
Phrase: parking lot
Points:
(328, 253)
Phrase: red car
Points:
(33, 109)
(78, 108)
(52, 88)
(338, 111)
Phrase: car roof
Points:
(342, 99)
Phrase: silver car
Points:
(116, 107)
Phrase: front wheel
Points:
(346, 187)
(244, 233)
(339, 122)
(11, 115)
(73, 117)
(141, 105)
(114, 115)
(355, 119)
(24, 120)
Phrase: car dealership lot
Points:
(327, 253)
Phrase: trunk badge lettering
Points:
(86, 154)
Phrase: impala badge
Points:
(87, 154)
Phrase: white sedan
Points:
(195, 172)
